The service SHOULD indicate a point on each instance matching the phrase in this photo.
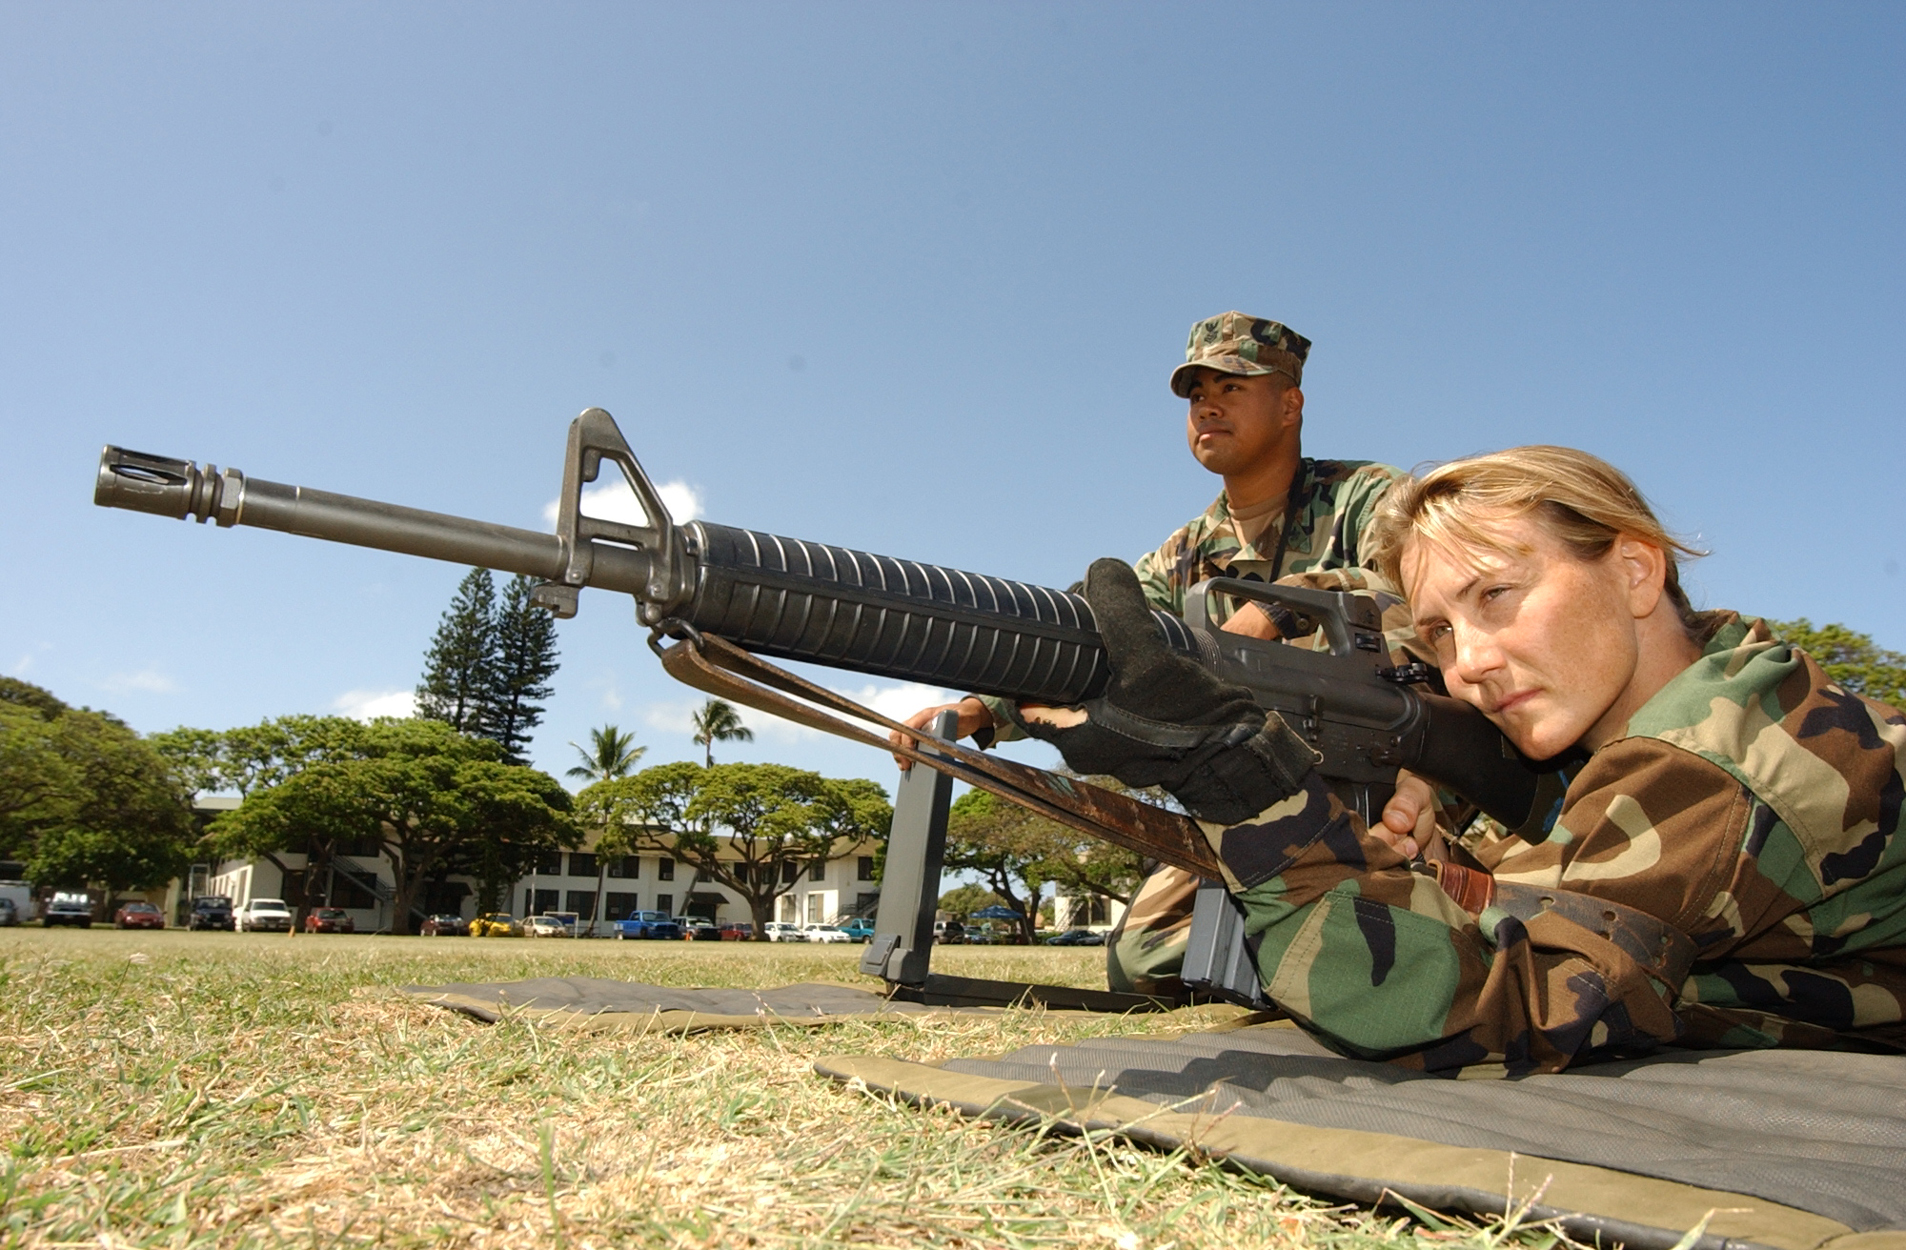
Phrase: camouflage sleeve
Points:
(1160, 576)
(1357, 504)
(1382, 963)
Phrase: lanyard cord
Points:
(1294, 504)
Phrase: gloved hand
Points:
(1167, 721)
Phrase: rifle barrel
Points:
(178, 488)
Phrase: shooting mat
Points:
(597, 1003)
(1788, 1149)
(1807, 1148)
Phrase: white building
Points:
(363, 885)
(1085, 910)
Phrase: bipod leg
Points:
(902, 946)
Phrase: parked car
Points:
(495, 924)
(9, 914)
(737, 931)
(211, 911)
(949, 932)
(263, 915)
(651, 926)
(1077, 937)
(569, 920)
(69, 909)
(698, 929)
(544, 926)
(445, 925)
(329, 920)
(782, 931)
(859, 929)
(824, 933)
(138, 914)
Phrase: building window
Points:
(536, 902)
(549, 864)
(817, 871)
(865, 904)
(665, 869)
(583, 903)
(581, 864)
(625, 866)
(864, 868)
(617, 906)
(665, 903)
(790, 872)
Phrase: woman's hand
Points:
(1409, 818)
(1252, 621)
(973, 717)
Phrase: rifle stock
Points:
(792, 599)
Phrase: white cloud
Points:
(146, 681)
(613, 499)
(371, 704)
(20, 669)
(896, 699)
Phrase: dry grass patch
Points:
(181, 1089)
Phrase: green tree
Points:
(718, 721)
(1003, 843)
(1080, 864)
(750, 827)
(524, 659)
(460, 667)
(1852, 659)
(433, 800)
(611, 753)
(252, 758)
(963, 900)
(85, 801)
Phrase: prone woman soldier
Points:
(1726, 801)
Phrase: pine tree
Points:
(459, 668)
(525, 660)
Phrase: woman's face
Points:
(1548, 645)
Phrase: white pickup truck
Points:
(269, 915)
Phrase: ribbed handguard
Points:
(799, 600)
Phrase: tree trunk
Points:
(595, 911)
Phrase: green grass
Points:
(179, 1089)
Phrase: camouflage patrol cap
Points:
(1249, 346)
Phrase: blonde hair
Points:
(1580, 499)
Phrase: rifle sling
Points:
(716, 666)
(1662, 950)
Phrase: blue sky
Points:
(908, 278)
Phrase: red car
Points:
(329, 920)
(737, 931)
(138, 915)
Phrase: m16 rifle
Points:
(717, 599)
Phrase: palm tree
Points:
(610, 754)
(719, 722)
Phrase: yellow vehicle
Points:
(496, 924)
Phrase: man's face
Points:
(1236, 423)
(1544, 642)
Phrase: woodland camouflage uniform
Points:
(1146, 950)
(1335, 500)
(1751, 803)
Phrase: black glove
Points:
(1166, 720)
